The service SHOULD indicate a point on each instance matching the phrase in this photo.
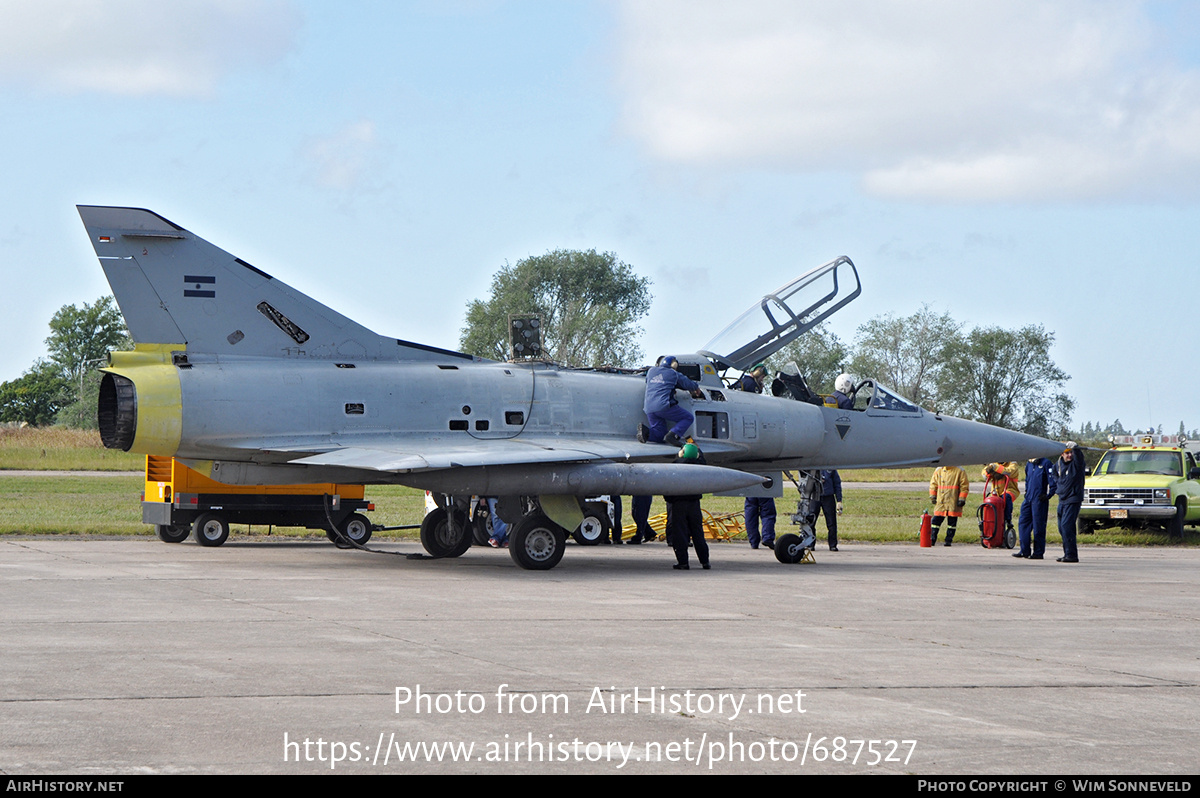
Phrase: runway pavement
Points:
(128, 655)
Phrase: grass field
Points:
(61, 449)
(111, 505)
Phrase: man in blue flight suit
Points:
(842, 387)
(831, 504)
(662, 407)
(1068, 483)
(1031, 523)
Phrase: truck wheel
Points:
(536, 542)
(788, 549)
(442, 539)
(595, 525)
(1086, 528)
(1175, 527)
(211, 529)
(172, 534)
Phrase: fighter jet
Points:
(251, 382)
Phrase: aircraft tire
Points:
(172, 534)
(481, 527)
(788, 549)
(440, 540)
(595, 526)
(210, 529)
(1175, 525)
(536, 543)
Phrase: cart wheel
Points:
(1010, 538)
(440, 540)
(211, 530)
(356, 528)
(788, 549)
(173, 534)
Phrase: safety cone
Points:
(926, 530)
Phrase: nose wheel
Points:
(792, 548)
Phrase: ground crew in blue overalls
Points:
(1031, 523)
(662, 407)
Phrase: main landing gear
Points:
(535, 542)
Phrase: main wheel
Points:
(536, 543)
(211, 529)
(481, 527)
(595, 525)
(173, 534)
(788, 549)
(443, 539)
(1175, 527)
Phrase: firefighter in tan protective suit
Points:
(948, 490)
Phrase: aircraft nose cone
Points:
(972, 443)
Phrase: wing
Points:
(532, 465)
(398, 456)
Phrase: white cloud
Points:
(940, 99)
(177, 48)
(343, 160)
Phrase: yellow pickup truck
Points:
(1152, 482)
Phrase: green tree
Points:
(907, 354)
(1007, 378)
(590, 304)
(79, 342)
(819, 354)
(81, 337)
(36, 397)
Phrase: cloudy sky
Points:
(1010, 162)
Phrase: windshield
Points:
(873, 397)
(1163, 463)
(784, 315)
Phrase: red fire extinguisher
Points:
(926, 530)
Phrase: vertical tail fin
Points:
(176, 288)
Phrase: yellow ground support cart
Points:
(725, 526)
(179, 501)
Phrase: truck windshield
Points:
(1140, 462)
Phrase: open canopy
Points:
(784, 315)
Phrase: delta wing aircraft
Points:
(250, 382)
